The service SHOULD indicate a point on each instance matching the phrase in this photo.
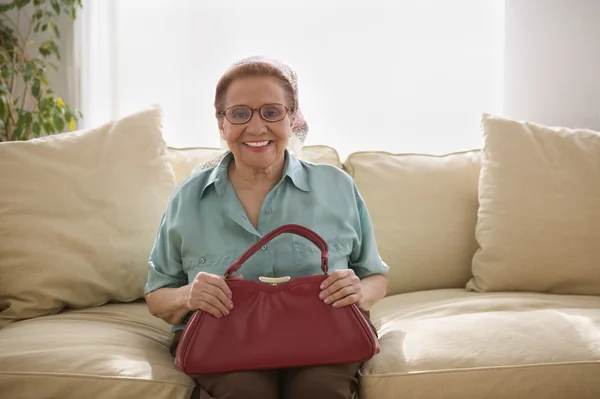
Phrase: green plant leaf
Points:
(27, 119)
(37, 129)
(38, 13)
(49, 127)
(21, 3)
(17, 133)
(42, 105)
(59, 123)
(56, 31)
(29, 70)
(35, 88)
(54, 48)
(55, 6)
(4, 8)
(3, 108)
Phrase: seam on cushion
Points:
(103, 320)
(347, 164)
(421, 154)
(90, 377)
(478, 369)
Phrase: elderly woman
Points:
(217, 213)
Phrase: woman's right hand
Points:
(210, 293)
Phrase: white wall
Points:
(65, 81)
(552, 62)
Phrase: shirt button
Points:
(268, 211)
(264, 248)
(202, 260)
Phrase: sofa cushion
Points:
(79, 215)
(184, 160)
(118, 350)
(539, 215)
(424, 210)
(454, 344)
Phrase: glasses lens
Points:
(239, 114)
(273, 112)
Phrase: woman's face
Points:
(256, 143)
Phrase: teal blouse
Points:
(205, 227)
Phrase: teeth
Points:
(257, 143)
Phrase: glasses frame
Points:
(252, 110)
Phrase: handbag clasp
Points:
(274, 280)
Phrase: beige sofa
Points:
(494, 288)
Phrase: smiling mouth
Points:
(257, 144)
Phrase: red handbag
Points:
(276, 323)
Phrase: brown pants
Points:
(320, 382)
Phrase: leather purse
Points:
(276, 323)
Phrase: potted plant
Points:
(29, 107)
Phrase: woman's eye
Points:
(271, 112)
(240, 114)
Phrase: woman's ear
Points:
(221, 129)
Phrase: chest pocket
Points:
(307, 255)
(208, 263)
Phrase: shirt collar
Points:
(293, 169)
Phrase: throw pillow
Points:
(538, 225)
(79, 214)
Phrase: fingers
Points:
(210, 293)
(342, 288)
(336, 275)
(349, 300)
(208, 308)
(337, 282)
(220, 283)
(342, 293)
(210, 299)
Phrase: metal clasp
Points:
(274, 280)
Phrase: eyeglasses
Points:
(240, 114)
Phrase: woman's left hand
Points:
(341, 288)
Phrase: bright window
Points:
(400, 76)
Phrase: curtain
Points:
(398, 76)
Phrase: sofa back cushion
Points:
(79, 215)
(539, 219)
(184, 160)
(424, 210)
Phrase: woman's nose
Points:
(256, 124)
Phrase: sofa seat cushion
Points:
(456, 344)
(112, 351)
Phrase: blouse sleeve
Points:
(365, 259)
(164, 266)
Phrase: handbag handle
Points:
(286, 228)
